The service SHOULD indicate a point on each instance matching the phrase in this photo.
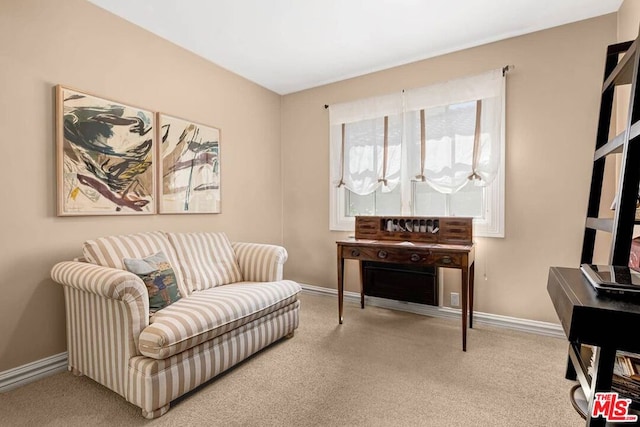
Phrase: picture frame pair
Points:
(118, 159)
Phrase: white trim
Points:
(22, 375)
(525, 325)
(492, 223)
(338, 221)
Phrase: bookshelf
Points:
(621, 69)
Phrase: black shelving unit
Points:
(621, 68)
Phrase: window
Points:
(434, 151)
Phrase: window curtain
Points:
(366, 144)
(454, 131)
(445, 134)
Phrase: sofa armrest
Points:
(106, 309)
(103, 281)
(260, 262)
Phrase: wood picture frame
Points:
(105, 155)
(188, 166)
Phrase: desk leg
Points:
(340, 284)
(472, 274)
(465, 300)
(361, 284)
(601, 380)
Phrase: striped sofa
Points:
(234, 303)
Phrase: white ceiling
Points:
(291, 45)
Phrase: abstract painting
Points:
(189, 172)
(105, 154)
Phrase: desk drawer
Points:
(403, 256)
(394, 255)
(446, 260)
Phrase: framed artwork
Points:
(189, 166)
(105, 156)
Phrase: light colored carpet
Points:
(380, 368)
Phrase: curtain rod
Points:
(508, 68)
(505, 70)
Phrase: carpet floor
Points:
(380, 368)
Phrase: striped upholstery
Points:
(110, 251)
(210, 313)
(260, 262)
(106, 311)
(205, 259)
(154, 383)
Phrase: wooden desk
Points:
(425, 254)
(588, 318)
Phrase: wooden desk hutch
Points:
(415, 241)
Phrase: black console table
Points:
(587, 318)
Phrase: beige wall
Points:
(628, 20)
(552, 109)
(628, 17)
(74, 43)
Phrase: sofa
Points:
(154, 315)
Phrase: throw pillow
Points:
(160, 279)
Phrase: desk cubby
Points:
(445, 230)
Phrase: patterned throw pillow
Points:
(156, 272)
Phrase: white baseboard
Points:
(525, 325)
(16, 377)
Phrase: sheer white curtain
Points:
(366, 144)
(454, 131)
(446, 134)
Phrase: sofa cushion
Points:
(205, 259)
(207, 314)
(110, 251)
(157, 274)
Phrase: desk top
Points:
(589, 318)
(405, 244)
